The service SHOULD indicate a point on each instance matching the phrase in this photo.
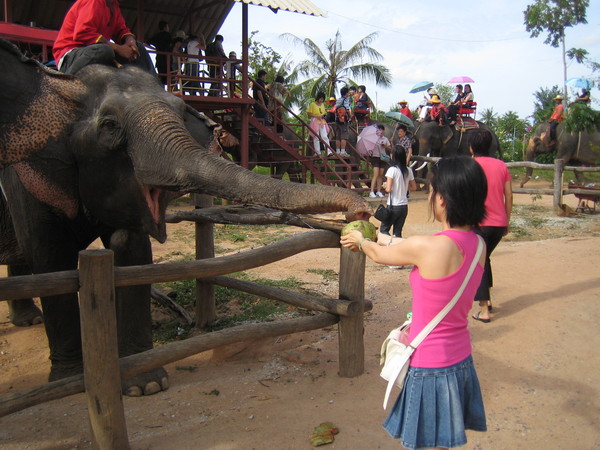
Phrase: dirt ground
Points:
(536, 360)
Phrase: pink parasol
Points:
(461, 80)
(367, 140)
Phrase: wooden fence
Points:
(557, 191)
(97, 279)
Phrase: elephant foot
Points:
(147, 383)
(24, 313)
(65, 370)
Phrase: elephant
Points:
(100, 154)
(578, 148)
(431, 139)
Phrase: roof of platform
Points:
(192, 16)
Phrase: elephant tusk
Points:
(422, 165)
(412, 164)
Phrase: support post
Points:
(559, 166)
(351, 329)
(205, 248)
(102, 374)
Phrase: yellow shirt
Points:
(316, 110)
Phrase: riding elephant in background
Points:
(100, 154)
(573, 148)
(431, 139)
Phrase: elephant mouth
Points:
(153, 197)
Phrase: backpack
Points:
(341, 114)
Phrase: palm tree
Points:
(326, 68)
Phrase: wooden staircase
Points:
(293, 147)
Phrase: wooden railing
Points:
(97, 279)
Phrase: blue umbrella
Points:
(583, 83)
(422, 86)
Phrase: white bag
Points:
(395, 358)
(396, 350)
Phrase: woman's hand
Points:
(351, 240)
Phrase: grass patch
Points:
(233, 307)
(327, 274)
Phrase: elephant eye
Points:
(109, 124)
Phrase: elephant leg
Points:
(133, 312)
(23, 312)
(528, 173)
(580, 177)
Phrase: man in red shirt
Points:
(558, 115)
(404, 109)
(94, 32)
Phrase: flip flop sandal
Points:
(476, 317)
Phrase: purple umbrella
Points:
(462, 79)
(367, 140)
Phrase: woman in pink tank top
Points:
(441, 397)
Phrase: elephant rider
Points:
(438, 112)
(94, 32)
(558, 115)
(404, 109)
(455, 105)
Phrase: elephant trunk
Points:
(534, 142)
(179, 163)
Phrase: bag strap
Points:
(437, 319)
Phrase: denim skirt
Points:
(436, 406)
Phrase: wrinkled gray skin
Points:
(100, 155)
(572, 148)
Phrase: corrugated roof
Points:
(298, 6)
(193, 16)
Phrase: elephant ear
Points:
(446, 134)
(36, 105)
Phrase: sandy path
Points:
(536, 361)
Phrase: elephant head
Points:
(127, 139)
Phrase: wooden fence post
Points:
(351, 329)
(102, 375)
(206, 310)
(559, 165)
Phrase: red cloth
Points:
(86, 22)
(497, 175)
(558, 113)
(406, 111)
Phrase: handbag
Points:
(382, 213)
(396, 350)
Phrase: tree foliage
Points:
(328, 67)
(582, 118)
(544, 103)
(553, 17)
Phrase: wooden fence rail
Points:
(97, 279)
(558, 167)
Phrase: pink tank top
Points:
(449, 343)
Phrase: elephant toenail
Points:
(134, 391)
(152, 388)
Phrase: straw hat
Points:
(181, 34)
(331, 99)
(402, 102)
(435, 99)
(558, 97)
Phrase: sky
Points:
(435, 41)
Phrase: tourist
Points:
(441, 397)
